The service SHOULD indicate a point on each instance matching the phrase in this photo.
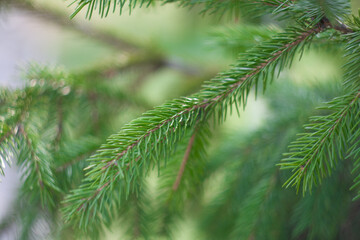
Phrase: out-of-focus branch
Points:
(105, 37)
(61, 19)
(114, 66)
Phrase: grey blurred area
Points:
(24, 39)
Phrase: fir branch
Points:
(144, 141)
(33, 155)
(251, 202)
(218, 98)
(39, 175)
(315, 153)
(105, 6)
(7, 143)
(277, 4)
(239, 38)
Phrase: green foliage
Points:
(314, 154)
(129, 155)
(103, 7)
(158, 167)
(238, 38)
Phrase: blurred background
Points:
(160, 53)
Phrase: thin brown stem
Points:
(183, 163)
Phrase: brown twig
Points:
(183, 163)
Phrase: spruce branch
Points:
(251, 193)
(315, 153)
(33, 156)
(7, 145)
(37, 166)
(141, 144)
(105, 6)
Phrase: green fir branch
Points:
(252, 201)
(7, 148)
(38, 175)
(105, 6)
(315, 153)
(140, 145)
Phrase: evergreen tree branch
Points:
(6, 149)
(251, 201)
(33, 156)
(153, 136)
(105, 6)
(315, 153)
(39, 175)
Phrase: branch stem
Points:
(183, 163)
